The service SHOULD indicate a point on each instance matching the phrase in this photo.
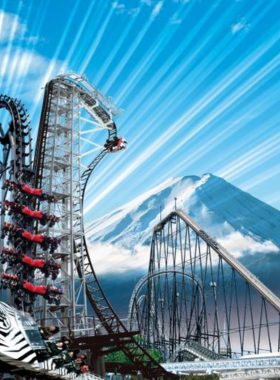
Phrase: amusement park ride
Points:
(46, 267)
(197, 303)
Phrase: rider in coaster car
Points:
(10, 255)
(116, 144)
(33, 262)
(56, 348)
(9, 281)
(85, 368)
(70, 356)
(26, 189)
(35, 289)
(26, 211)
(34, 238)
(48, 332)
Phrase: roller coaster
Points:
(199, 303)
(46, 265)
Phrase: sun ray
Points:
(261, 178)
(110, 80)
(7, 54)
(52, 64)
(152, 54)
(20, 81)
(202, 70)
(97, 40)
(116, 48)
(256, 154)
(212, 94)
(78, 37)
(14, 72)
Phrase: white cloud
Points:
(238, 244)
(108, 258)
(242, 24)
(32, 40)
(182, 1)
(156, 10)
(116, 5)
(11, 27)
(120, 8)
(24, 65)
(10, 23)
(133, 12)
(175, 20)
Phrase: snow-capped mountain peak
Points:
(222, 209)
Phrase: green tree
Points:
(199, 377)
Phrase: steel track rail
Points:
(17, 152)
(227, 256)
(140, 358)
(15, 137)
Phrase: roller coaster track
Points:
(17, 138)
(231, 260)
(243, 310)
(17, 155)
(140, 358)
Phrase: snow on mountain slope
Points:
(242, 223)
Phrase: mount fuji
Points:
(120, 240)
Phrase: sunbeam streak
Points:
(5, 60)
(52, 64)
(109, 82)
(97, 41)
(226, 104)
(2, 14)
(158, 46)
(218, 89)
(256, 154)
(200, 71)
(21, 80)
(237, 124)
(198, 81)
(13, 68)
(78, 37)
(261, 178)
(105, 66)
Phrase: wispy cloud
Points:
(9, 22)
(239, 245)
(157, 9)
(13, 29)
(242, 24)
(133, 12)
(112, 258)
(175, 19)
(182, 1)
(19, 62)
(120, 8)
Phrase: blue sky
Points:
(199, 82)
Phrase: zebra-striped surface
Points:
(13, 342)
(16, 350)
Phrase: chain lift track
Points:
(101, 111)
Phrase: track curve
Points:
(98, 300)
(16, 167)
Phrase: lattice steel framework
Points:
(198, 301)
(59, 168)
